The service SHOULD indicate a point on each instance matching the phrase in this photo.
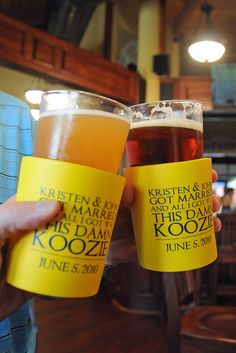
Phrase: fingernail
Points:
(46, 206)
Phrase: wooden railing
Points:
(34, 50)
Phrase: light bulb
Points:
(34, 96)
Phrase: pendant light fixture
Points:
(34, 96)
(207, 47)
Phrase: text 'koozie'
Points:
(172, 215)
(66, 258)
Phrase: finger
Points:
(217, 224)
(214, 175)
(18, 217)
(216, 200)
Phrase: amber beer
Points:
(90, 138)
(89, 135)
(173, 137)
(157, 143)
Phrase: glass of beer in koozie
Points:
(172, 212)
(79, 143)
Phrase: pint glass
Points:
(172, 213)
(80, 138)
(164, 132)
(83, 128)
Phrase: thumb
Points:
(20, 217)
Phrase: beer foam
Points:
(176, 113)
(173, 122)
(83, 112)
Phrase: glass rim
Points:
(154, 103)
(91, 94)
(166, 112)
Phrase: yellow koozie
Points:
(67, 257)
(172, 215)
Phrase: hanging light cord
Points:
(207, 8)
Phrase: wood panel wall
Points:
(194, 87)
(34, 50)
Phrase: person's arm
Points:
(17, 218)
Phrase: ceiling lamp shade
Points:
(206, 51)
(206, 47)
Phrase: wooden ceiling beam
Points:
(183, 17)
(163, 21)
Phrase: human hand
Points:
(216, 204)
(16, 219)
(122, 247)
